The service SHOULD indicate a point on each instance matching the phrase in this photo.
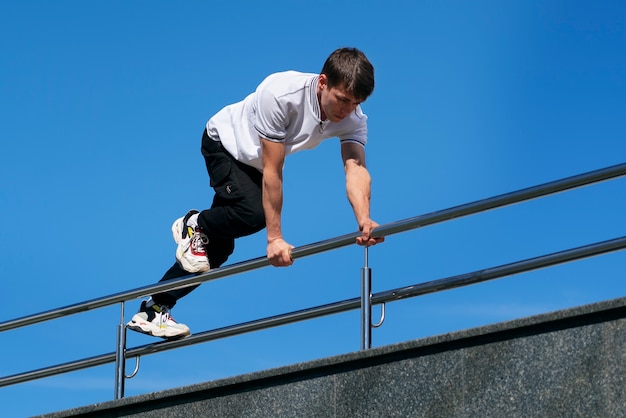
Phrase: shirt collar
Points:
(315, 104)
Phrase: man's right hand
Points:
(279, 253)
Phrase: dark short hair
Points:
(350, 68)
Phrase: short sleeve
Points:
(271, 118)
(357, 135)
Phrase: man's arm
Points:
(278, 250)
(358, 186)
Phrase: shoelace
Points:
(164, 315)
(198, 241)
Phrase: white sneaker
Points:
(191, 241)
(156, 320)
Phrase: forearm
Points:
(358, 189)
(272, 204)
(278, 250)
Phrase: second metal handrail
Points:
(452, 282)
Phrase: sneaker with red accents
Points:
(191, 241)
(156, 320)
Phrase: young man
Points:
(244, 146)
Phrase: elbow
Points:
(354, 165)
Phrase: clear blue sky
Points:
(102, 105)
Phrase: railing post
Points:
(366, 305)
(120, 357)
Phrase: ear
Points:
(322, 81)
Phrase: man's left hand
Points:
(366, 238)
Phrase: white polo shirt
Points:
(284, 108)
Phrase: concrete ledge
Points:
(567, 363)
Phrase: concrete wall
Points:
(566, 364)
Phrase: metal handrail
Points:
(330, 244)
(327, 245)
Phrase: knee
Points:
(249, 215)
(256, 219)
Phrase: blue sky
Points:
(102, 107)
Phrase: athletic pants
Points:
(236, 211)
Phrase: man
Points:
(244, 146)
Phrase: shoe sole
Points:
(165, 337)
(177, 231)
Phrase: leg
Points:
(237, 208)
(217, 252)
(236, 211)
(170, 297)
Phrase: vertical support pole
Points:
(366, 305)
(120, 357)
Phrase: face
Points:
(335, 102)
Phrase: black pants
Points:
(236, 211)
